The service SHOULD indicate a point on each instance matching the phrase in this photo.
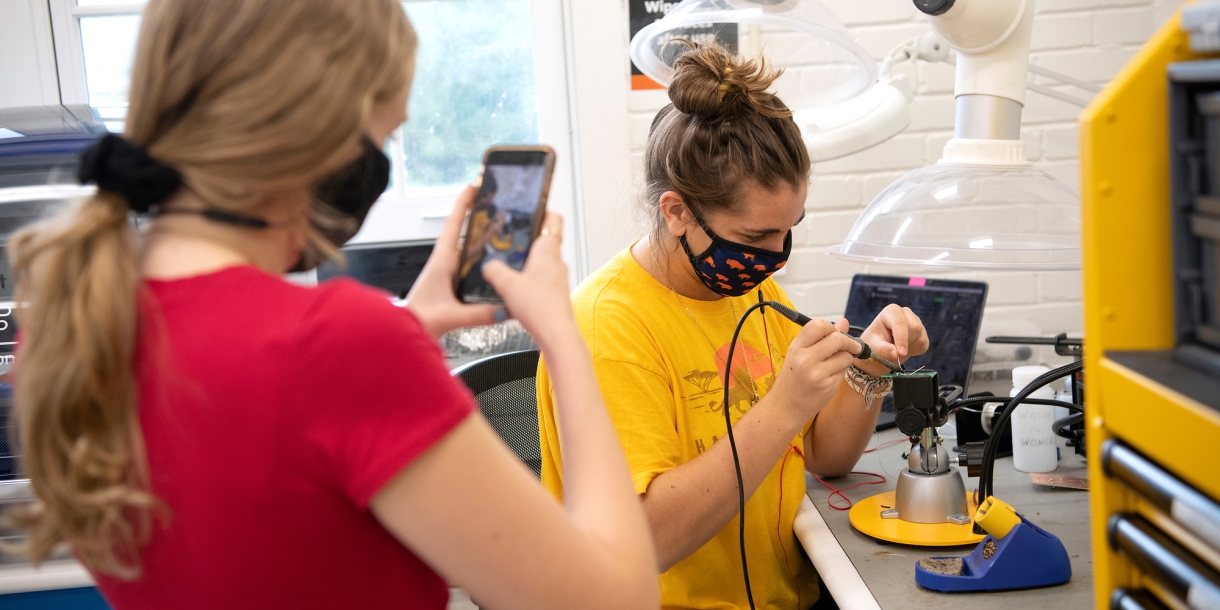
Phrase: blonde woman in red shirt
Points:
(204, 434)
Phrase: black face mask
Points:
(342, 201)
(732, 269)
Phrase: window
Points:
(475, 85)
(108, 45)
(468, 95)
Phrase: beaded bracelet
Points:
(868, 386)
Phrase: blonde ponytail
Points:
(78, 281)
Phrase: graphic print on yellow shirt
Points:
(662, 379)
(753, 375)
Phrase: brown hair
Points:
(722, 129)
(247, 100)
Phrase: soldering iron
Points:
(866, 352)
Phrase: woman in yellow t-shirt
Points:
(727, 175)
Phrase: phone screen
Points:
(504, 219)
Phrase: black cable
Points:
(986, 487)
(986, 476)
(728, 422)
(1077, 390)
(797, 318)
(1061, 426)
(1077, 416)
(964, 403)
(219, 215)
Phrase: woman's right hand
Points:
(813, 370)
(431, 298)
(538, 296)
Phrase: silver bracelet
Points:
(868, 386)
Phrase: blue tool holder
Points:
(1027, 558)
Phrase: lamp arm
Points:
(928, 47)
(1059, 95)
(900, 54)
(992, 38)
(1063, 78)
(1047, 91)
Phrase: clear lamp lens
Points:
(970, 216)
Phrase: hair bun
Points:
(712, 83)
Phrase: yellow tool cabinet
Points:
(1135, 400)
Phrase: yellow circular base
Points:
(865, 516)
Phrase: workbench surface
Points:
(889, 569)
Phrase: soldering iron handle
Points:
(790, 313)
(866, 352)
(800, 319)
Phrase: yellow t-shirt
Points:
(662, 382)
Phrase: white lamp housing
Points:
(983, 205)
(862, 122)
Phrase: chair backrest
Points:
(8, 452)
(503, 385)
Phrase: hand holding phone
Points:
(506, 216)
(431, 298)
(539, 296)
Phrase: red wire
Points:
(767, 339)
(839, 492)
(887, 444)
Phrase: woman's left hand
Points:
(432, 299)
(896, 335)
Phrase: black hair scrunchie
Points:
(125, 168)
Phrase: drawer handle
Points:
(1159, 556)
(1191, 509)
(1139, 599)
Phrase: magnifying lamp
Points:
(823, 65)
(839, 100)
(983, 205)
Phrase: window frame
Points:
(399, 217)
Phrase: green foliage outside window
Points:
(474, 81)
(474, 87)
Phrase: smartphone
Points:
(506, 217)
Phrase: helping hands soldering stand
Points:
(930, 506)
(929, 490)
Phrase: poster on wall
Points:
(644, 12)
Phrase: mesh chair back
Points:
(503, 385)
(8, 452)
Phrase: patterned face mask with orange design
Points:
(732, 269)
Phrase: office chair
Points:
(503, 385)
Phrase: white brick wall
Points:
(1089, 39)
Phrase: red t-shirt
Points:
(271, 414)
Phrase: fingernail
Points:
(501, 315)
